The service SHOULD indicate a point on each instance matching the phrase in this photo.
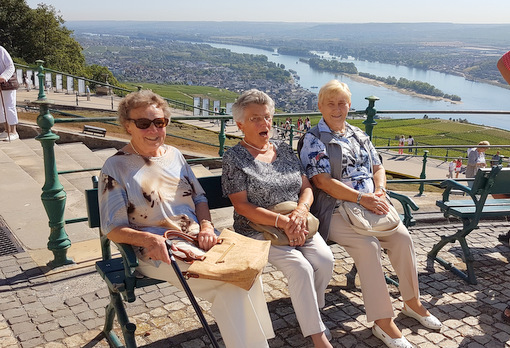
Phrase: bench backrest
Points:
(211, 185)
(495, 180)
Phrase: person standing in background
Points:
(401, 143)
(495, 159)
(8, 113)
(451, 169)
(476, 159)
(458, 167)
(410, 142)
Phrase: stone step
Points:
(21, 206)
(104, 154)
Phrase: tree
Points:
(32, 34)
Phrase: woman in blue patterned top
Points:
(343, 165)
(259, 173)
(147, 188)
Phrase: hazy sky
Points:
(340, 11)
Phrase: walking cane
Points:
(7, 128)
(191, 297)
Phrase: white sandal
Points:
(401, 342)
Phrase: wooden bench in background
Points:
(94, 130)
(479, 205)
(119, 272)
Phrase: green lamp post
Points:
(423, 175)
(53, 196)
(370, 111)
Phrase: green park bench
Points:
(487, 181)
(119, 271)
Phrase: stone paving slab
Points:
(66, 309)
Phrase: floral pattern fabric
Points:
(266, 184)
(357, 161)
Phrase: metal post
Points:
(370, 111)
(422, 175)
(40, 69)
(222, 137)
(291, 136)
(53, 196)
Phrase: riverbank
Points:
(378, 83)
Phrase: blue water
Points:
(475, 96)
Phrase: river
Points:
(475, 95)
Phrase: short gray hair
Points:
(252, 96)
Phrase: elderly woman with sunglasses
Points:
(147, 188)
(259, 173)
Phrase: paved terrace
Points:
(65, 307)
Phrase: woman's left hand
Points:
(295, 228)
(206, 237)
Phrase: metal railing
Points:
(54, 197)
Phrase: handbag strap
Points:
(172, 234)
(190, 256)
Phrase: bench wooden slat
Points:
(468, 202)
(487, 211)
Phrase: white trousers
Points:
(242, 316)
(308, 269)
(9, 105)
(366, 252)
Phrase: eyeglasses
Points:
(144, 123)
(260, 119)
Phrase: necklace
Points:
(256, 148)
(139, 154)
(134, 149)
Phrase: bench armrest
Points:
(407, 204)
(449, 185)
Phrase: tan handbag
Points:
(236, 259)
(364, 222)
(276, 235)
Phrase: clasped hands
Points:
(296, 227)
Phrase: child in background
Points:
(458, 166)
(451, 169)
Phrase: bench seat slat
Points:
(469, 202)
(487, 211)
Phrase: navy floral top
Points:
(266, 184)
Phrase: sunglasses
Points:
(144, 123)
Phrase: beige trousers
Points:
(242, 316)
(366, 252)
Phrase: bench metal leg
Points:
(351, 278)
(468, 257)
(116, 307)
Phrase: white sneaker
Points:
(11, 137)
(3, 135)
